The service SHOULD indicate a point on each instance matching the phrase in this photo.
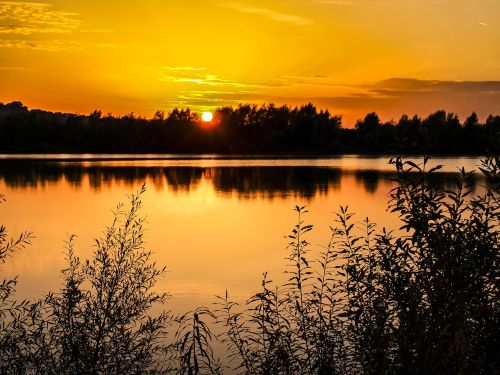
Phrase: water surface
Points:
(216, 223)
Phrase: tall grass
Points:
(419, 299)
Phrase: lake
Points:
(214, 222)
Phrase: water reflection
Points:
(247, 182)
(215, 224)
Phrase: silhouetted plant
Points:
(426, 301)
(12, 312)
(296, 328)
(421, 299)
(194, 344)
(99, 322)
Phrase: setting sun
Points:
(207, 116)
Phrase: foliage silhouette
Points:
(245, 129)
(423, 299)
(193, 344)
(13, 314)
(99, 322)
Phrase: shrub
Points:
(99, 322)
(422, 299)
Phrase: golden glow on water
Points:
(214, 228)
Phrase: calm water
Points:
(215, 223)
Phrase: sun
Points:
(207, 116)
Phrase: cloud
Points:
(106, 45)
(28, 18)
(42, 45)
(399, 87)
(364, 3)
(183, 68)
(390, 98)
(207, 79)
(16, 69)
(198, 76)
(20, 20)
(199, 99)
(309, 80)
(271, 14)
(340, 2)
(95, 30)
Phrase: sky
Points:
(348, 56)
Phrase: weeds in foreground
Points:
(99, 322)
(421, 299)
(13, 314)
(193, 344)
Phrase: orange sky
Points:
(350, 56)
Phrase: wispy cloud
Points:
(52, 45)
(271, 14)
(207, 79)
(42, 45)
(89, 30)
(363, 3)
(194, 75)
(409, 86)
(198, 99)
(289, 80)
(200, 75)
(183, 68)
(28, 18)
(389, 98)
(16, 69)
(392, 97)
(19, 20)
(340, 2)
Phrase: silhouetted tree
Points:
(243, 129)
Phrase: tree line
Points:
(245, 129)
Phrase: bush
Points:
(99, 322)
(423, 299)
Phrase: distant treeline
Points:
(246, 129)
